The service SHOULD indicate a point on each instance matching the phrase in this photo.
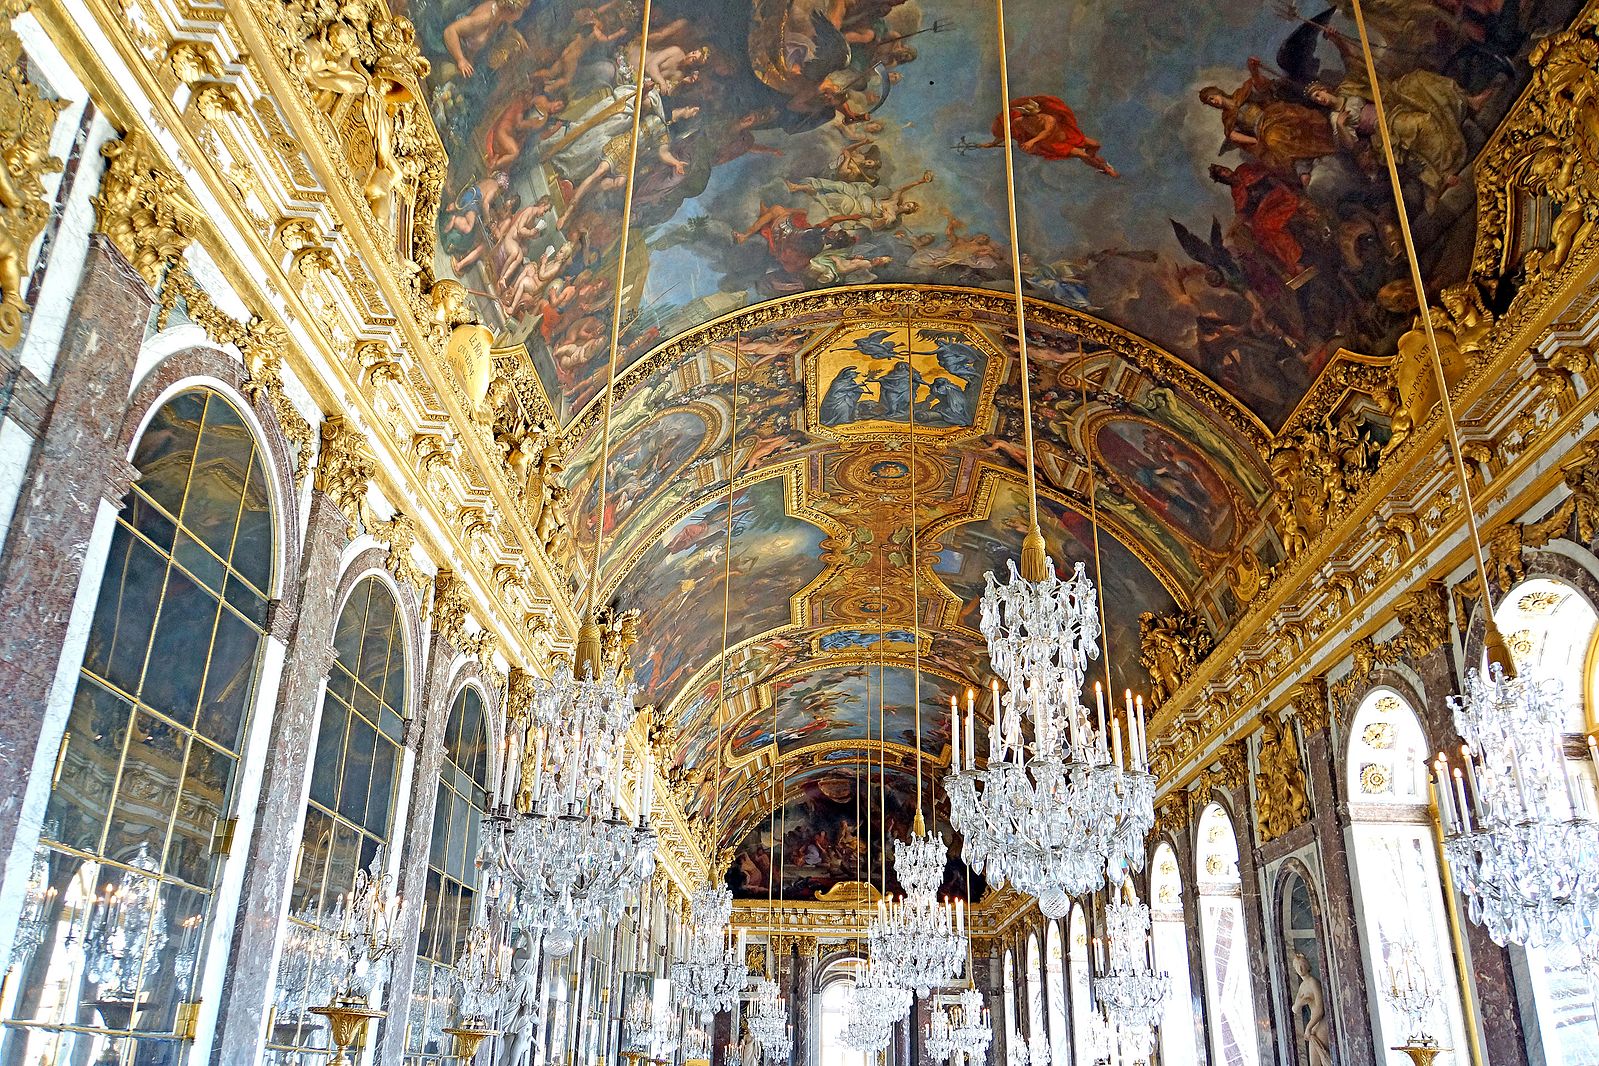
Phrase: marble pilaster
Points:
(425, 736)
(274, 839)
(1347, 983)
(76, 465)
(1254, 922)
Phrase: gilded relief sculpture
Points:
(1281, 802)
(26, 119)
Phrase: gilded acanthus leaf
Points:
(26, 119)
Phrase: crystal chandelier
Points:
(973, 1030)
(1128, 985)
(362, 932)
(37, 908)
(696, 1046)
(127, 923)
(1016, 1050)
(1523, 844)
(482, 974)
(1038, 1052)
(917, 939)
(878, 995)
(940, 1034)
(1411, 992)
(1053, 819)
(713, 972)
(866, 1025)
(558, 838)
(768, 1017)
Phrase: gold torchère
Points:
(347, 1020)
(467, 1040)
(1421, 1050)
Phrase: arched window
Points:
(1055, 986)
(349, 818)
(126, 873)
(1302, 939)
(1177, 1043)
(1013, 1035)
(1036, 1033)
(1551, 629)
(830, 1033)
(1077, 963)
(452, 876)
(1228, 992)
(1404, 930)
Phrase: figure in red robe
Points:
(1046, 127)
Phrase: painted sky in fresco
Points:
(785, 143)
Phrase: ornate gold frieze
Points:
(1310, 705)
(1281, 801)
(26, 121)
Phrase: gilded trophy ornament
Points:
(1281, 802)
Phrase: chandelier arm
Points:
(1494, 643)
(616, 307)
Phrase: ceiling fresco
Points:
(823, 828)
(817, 258)
(1203, 176)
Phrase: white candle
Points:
(1116, 740)
(1465, 809)
(954, 733)
(1099, 701)
(1143, 737)
(971, 752)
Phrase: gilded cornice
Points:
(322, 291)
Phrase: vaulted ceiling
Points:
(818, 257)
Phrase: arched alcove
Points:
(1229, 997)
(1170, 939)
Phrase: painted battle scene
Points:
(1207, 176)
(823, 832)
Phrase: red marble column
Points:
(425, 738)
(77, 464)
(274, 838)
(1347, 983)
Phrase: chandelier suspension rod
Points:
(1033, 559)
(616, 329)
(916, 579)
(882, 739)
(1093, 520)
(1493, 641)
(727, 591)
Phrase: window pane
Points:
(167, 448)
(204, 801)
(177, 651)
(357, 771)
(252, 545)
(92, 752)
(329, 753)
(381, 800)
(147, 795)
(130, 592)
(221, 465)
(230, 681)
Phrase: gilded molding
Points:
(399, 533)
(452, 606)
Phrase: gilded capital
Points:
(142, 206)
(343, 469)
(24, 150)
